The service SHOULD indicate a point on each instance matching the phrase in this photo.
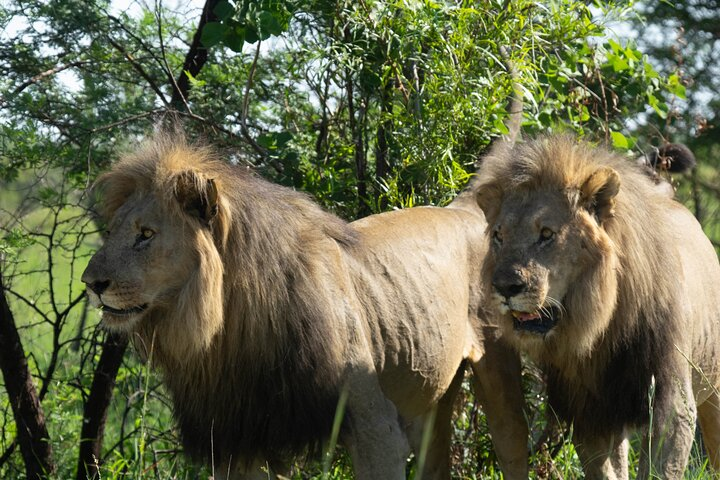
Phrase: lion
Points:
(262, 310)
(611, 286)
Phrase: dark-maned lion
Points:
(260, 308)
(612, 287)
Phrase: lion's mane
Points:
(251, 283)
(620, 316)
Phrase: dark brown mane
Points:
(262, 385)
(630, 355)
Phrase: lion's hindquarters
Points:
(430, 258)
(700, 282)
(417, 291)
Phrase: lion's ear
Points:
(197, 196)
(597, 194)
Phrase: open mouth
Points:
(124, 312)
(541, 321)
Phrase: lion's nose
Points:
(99, 286)
(509, 291)
(509, 285)
(89, 278)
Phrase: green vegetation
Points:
(367, 105)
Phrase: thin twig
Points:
(163, 56)
(138, 68)
(127, 120)
(41, 76)
(245, 105)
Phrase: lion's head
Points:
(559, 233)
(165, 232)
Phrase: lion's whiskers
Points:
(553, 302)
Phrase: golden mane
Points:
(252, 260)
(631, 290)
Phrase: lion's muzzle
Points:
(509, 282)
(524, 300)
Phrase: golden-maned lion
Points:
(612, 287)
(260, 309)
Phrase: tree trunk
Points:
(32, 433)
(195, 58)
(97, 404)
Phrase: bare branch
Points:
(41, 76)
(129, 119)
(245, 107)
(32, 433)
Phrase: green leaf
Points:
(224, 10)
(615, 46)
(274, 140)
(661, 109)
(618, 63)
(194, 81)
(251, 34)
(212, 34)
(282, 138)
(235, 39)
(650, 72)
(500, 126)
(269, 25)
(675, 86)
(619, 140)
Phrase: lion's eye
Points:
(497, 237)
(145, 235)
(546, 234)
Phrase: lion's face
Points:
(538, 254)
(551, 265)
(141, 265)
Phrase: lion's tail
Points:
(673, 157)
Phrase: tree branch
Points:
(245, 107)
(40, 76)
(32, 433)
(97, 404)
(138, 68)
(195, 58)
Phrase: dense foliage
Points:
(368, 105)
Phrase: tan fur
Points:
(634, 281)
(260, 308)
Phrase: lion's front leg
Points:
(437, 455)
(603, 457)
(665, 453)
(498, 388)
(373, 435)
